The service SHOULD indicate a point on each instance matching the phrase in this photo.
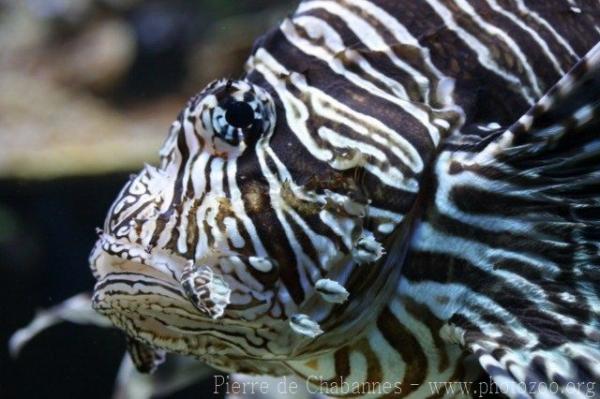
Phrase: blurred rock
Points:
(66, 11)
(97, 59)
(91, 86)
(47, 131)
(20, 35)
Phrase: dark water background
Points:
(44, 248)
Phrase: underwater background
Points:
(88, 89)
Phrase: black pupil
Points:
(239, 114)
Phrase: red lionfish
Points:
(398, 192)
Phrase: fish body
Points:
(399, 193)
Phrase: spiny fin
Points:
(145, 358)
(570, 370)
(550, 159)
(561, 130)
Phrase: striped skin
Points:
(370, 123)
(507, 253)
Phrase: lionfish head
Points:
(240, 245)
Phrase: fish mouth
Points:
(141, 292)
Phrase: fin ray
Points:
(552, 155)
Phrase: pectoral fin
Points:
(145, 358)
(532, 317)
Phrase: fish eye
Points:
(233, 114)
(239, 114)
(233, 119)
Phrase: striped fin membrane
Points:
(549, 346)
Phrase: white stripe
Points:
(395, 27)
(499, 33)
(368, 36)
(490, 222)
(295, 111)
(372, 40)
(317, 28)
(460, 300)
(536, 37)
(427, 239)
(524, 9)
(483, 53)
(267, 65)
(424, 336)
(391, 177)
(237, 205)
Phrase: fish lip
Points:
(139, 318)
(150, 318)
(110, 253)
